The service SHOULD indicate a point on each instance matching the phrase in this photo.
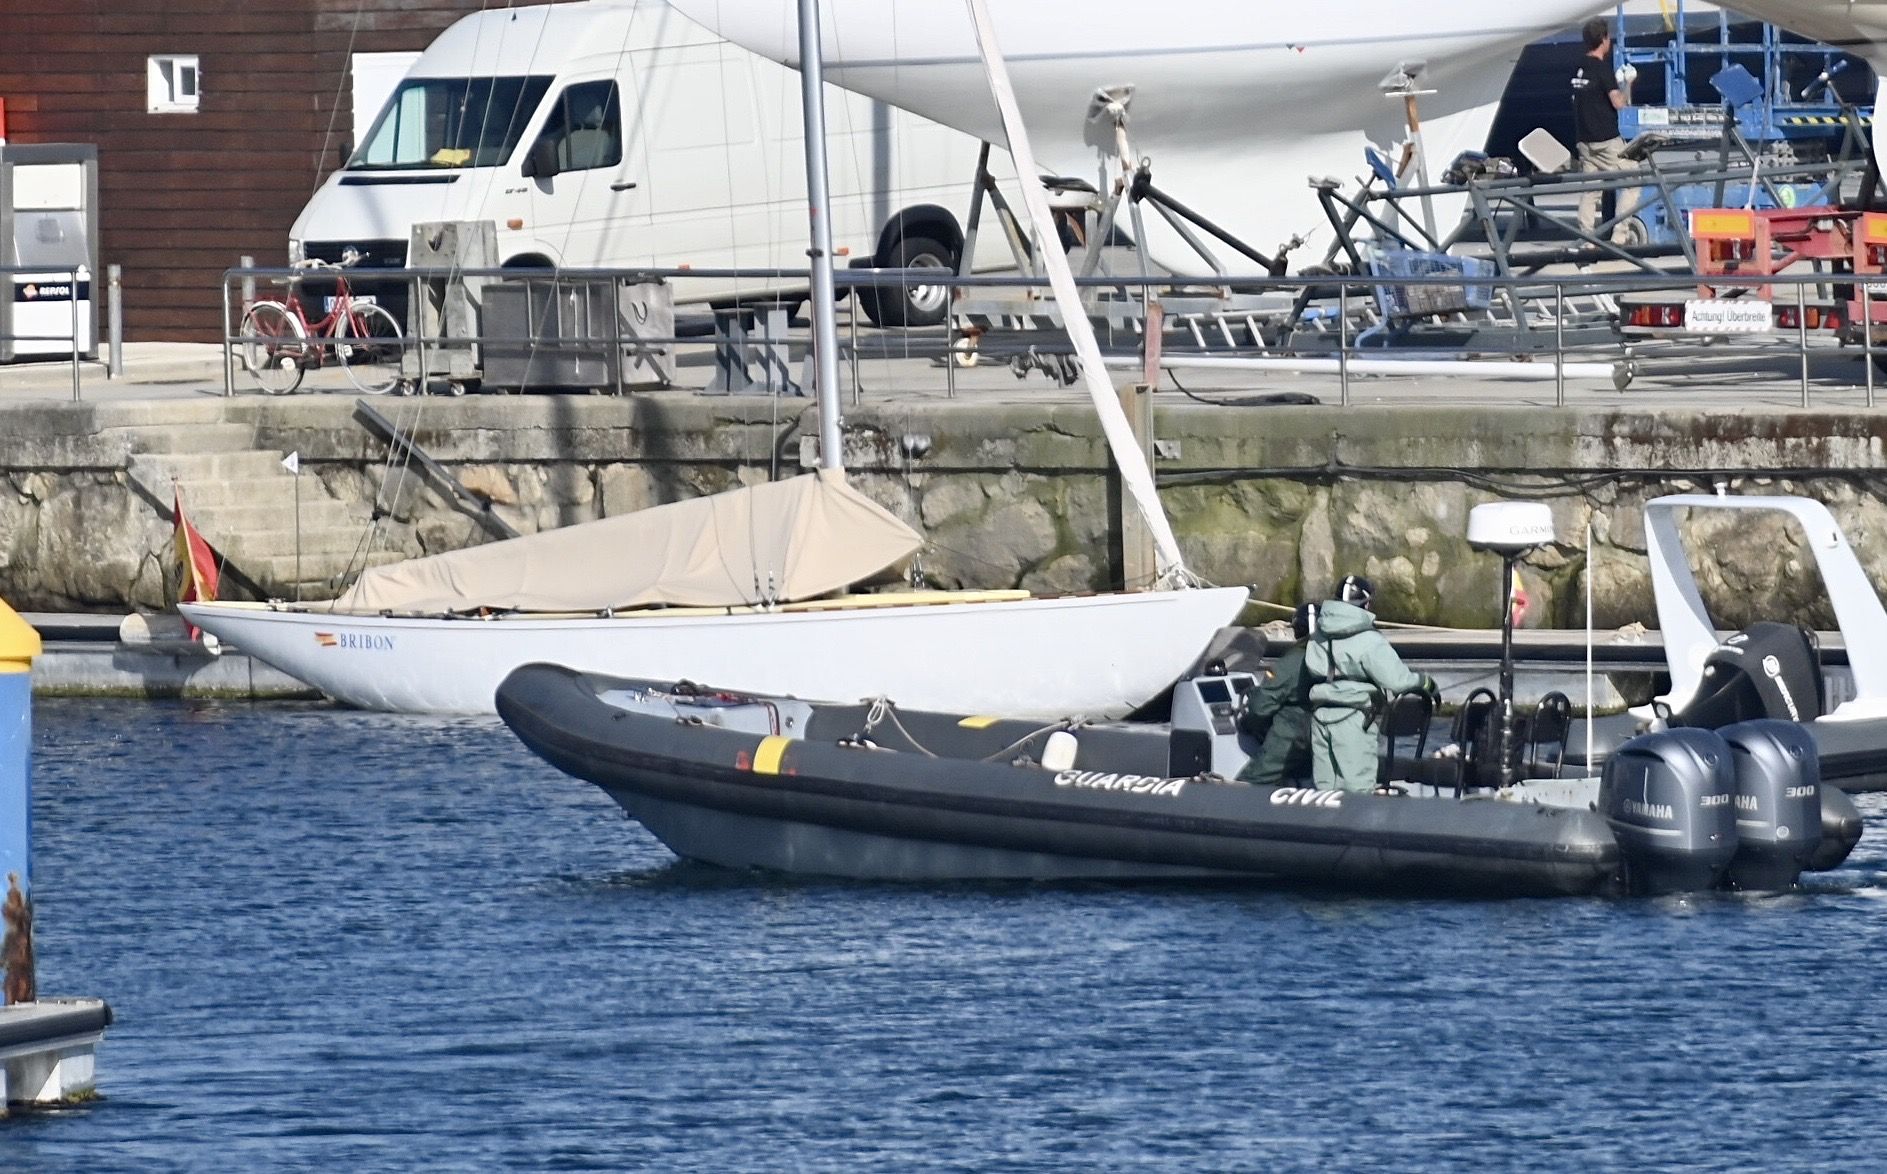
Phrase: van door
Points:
(712, 181)
(589, 202)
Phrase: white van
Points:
(620, 134)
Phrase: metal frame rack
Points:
(1778, 116)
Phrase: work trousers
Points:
(1605, 156)
(1343, 750)
(1285, 753)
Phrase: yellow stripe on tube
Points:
(767, 756)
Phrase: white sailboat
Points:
(732, 590)
(1236, 103)
(1859, 27)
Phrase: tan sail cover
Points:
(778, 542)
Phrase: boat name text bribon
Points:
(358, 641)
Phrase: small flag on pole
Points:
(1517, 599)
(292, 462)
(195, 557)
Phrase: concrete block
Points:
(202, 495)
(248, 545)
(187, 438)
(214, 466)
(150, 413)
(274, 511)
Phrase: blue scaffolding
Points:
(1769, 111)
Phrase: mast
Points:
(819, 208)
(1135, 476)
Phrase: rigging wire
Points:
(334, 106)
(881, 710)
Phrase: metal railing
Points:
(1562, 327)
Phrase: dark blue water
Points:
(341, 941)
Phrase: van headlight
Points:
(295, 254)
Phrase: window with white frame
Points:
(172, 79)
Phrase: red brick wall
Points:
(183, 195)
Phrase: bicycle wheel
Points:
(274, 347)
(369, 343)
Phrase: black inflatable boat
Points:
(871, 791)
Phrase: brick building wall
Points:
(183, 195)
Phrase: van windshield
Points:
(450, 122)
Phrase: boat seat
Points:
(1470, 716)
(1483, 750)
(1547, 731)
(1477, 734)
(1405, 718)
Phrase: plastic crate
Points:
(1420, 301)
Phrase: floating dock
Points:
(49, 1048)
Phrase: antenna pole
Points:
(825, 345)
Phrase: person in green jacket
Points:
(1278, 711)
(1352, 669)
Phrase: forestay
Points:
(1135, 475)
(772, 543)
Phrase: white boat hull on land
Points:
(1098, 655)
(1859, 28)
(1236, 103)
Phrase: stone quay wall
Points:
(1015, 493)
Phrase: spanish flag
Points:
(1517, 599)
(194, 556)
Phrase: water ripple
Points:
(338, 939)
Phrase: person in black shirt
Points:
(1596, 103)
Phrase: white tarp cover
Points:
(778, 542)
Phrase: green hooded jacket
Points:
(1278, 713)
(1365, 666)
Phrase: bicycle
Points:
(280, 344)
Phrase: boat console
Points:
(1205, 734)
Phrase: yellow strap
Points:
(978, 722)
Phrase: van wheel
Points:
(911, 304)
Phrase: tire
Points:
(912, 304)
(369, 345)
(274, 347)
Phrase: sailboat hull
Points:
(1235, 103)
(1100, 655)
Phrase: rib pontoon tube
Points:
(842, 790)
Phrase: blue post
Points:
(19, 644)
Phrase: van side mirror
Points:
(541, 160)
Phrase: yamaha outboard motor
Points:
(1778, 802)
(1668, 798)
(1766, 670)
(1840, 829)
